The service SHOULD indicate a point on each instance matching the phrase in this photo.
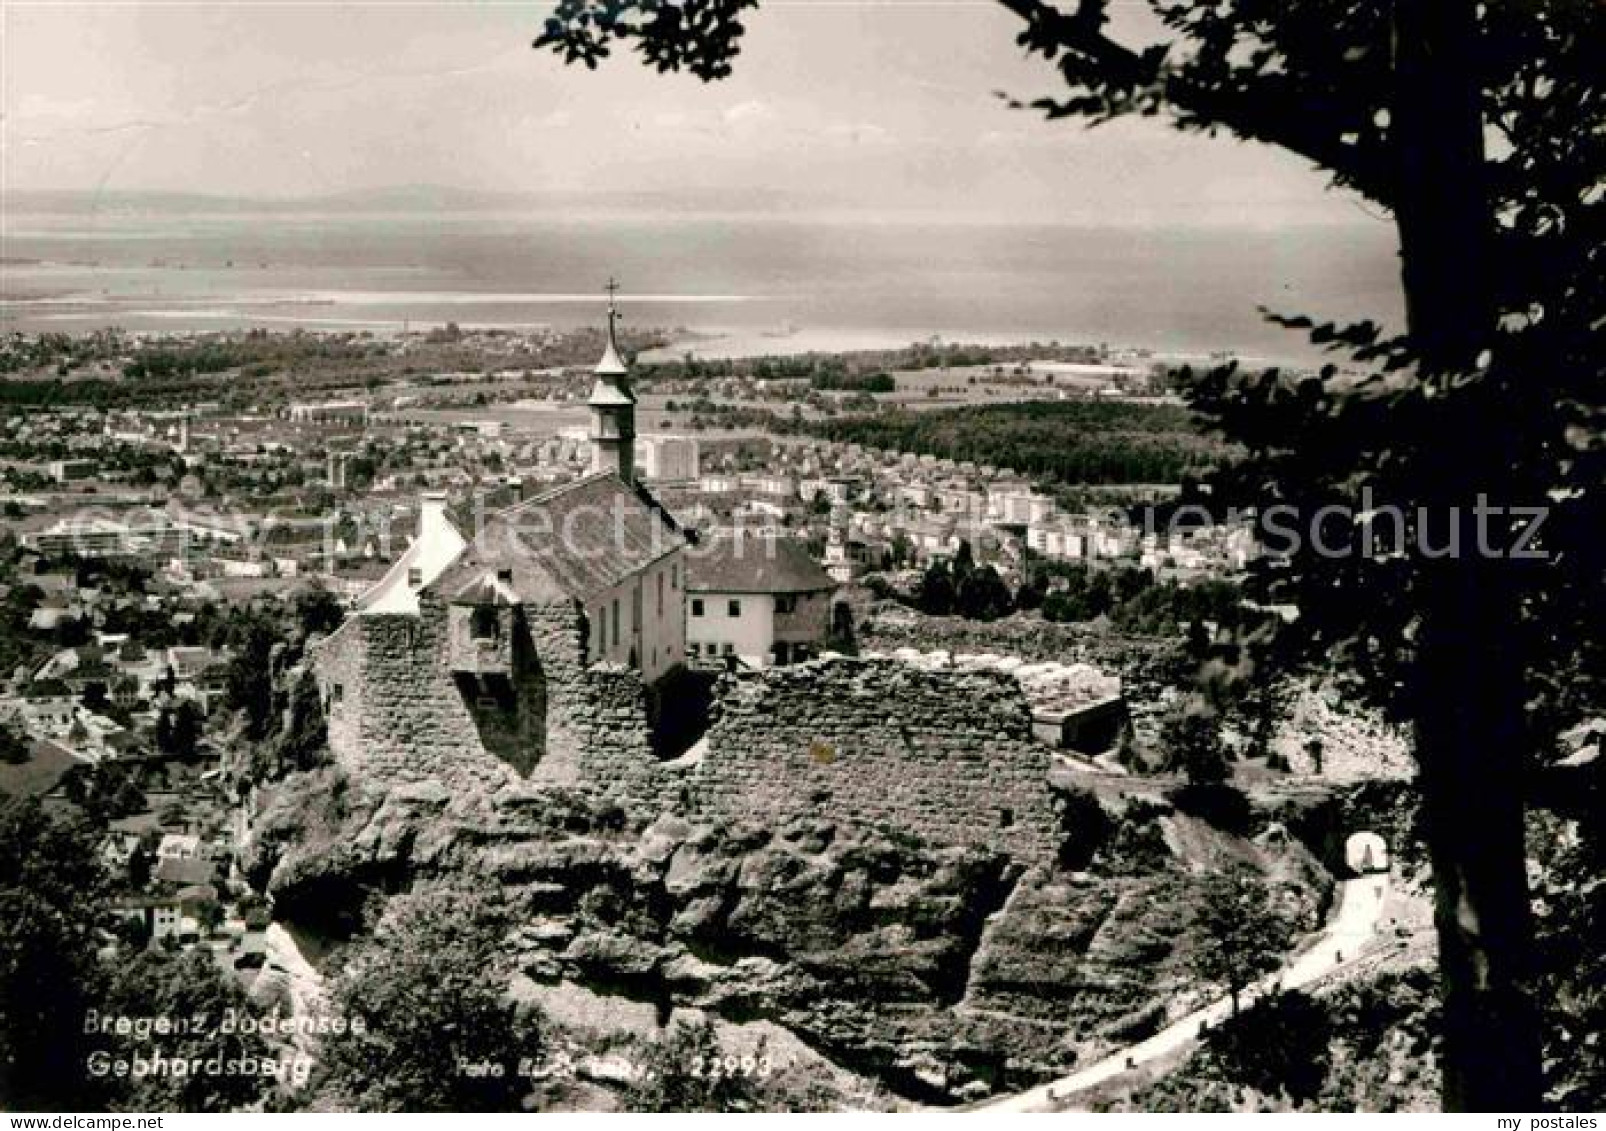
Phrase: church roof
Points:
(437, 545)
(605, 392)
(613, 362)
(572, 543)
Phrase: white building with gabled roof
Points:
(437, 546)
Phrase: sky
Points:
(887, 106)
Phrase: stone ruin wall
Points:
(1151, 668)
(398, 714)
(383, 697)
(945, 756)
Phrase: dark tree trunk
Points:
(1471, 745)
(1471, 741)
(1442, 205)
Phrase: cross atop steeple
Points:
(613, 407)
(612, 287)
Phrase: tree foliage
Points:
(249, 681)
(1191, 739)
(1072, 441)
(181, 988)
(304, 742)
(700, 36)
(1238, 931)
(51, 892)
(428, 992)
(317, 610)
(14, 748)
(1133, 599)
(686, 1069)
(961, 587)
(104, 791)
(178, 727)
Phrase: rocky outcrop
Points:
(942, 971)
(1321, 733)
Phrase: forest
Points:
(1129, 598)
(1097, 442)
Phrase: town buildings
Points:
(664, 458)
(329, 412)
(72, 470)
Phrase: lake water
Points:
(767, 284)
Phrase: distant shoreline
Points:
(703, 343)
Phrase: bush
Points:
(14, 749)
(1215, 803)
(1191, 740)
(1280, 1046)
(686, 1069)
(437, 1030)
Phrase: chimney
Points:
(431, 516)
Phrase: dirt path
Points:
(1345, 939)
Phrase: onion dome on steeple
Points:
(613, 405)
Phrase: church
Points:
(537, 654)
(601, 541)
(514, 640)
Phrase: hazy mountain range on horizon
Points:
(423, 198)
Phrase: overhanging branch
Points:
(1300, 127)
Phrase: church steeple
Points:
(613, 406)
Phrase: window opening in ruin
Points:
(484, 626)
(1006, 818)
